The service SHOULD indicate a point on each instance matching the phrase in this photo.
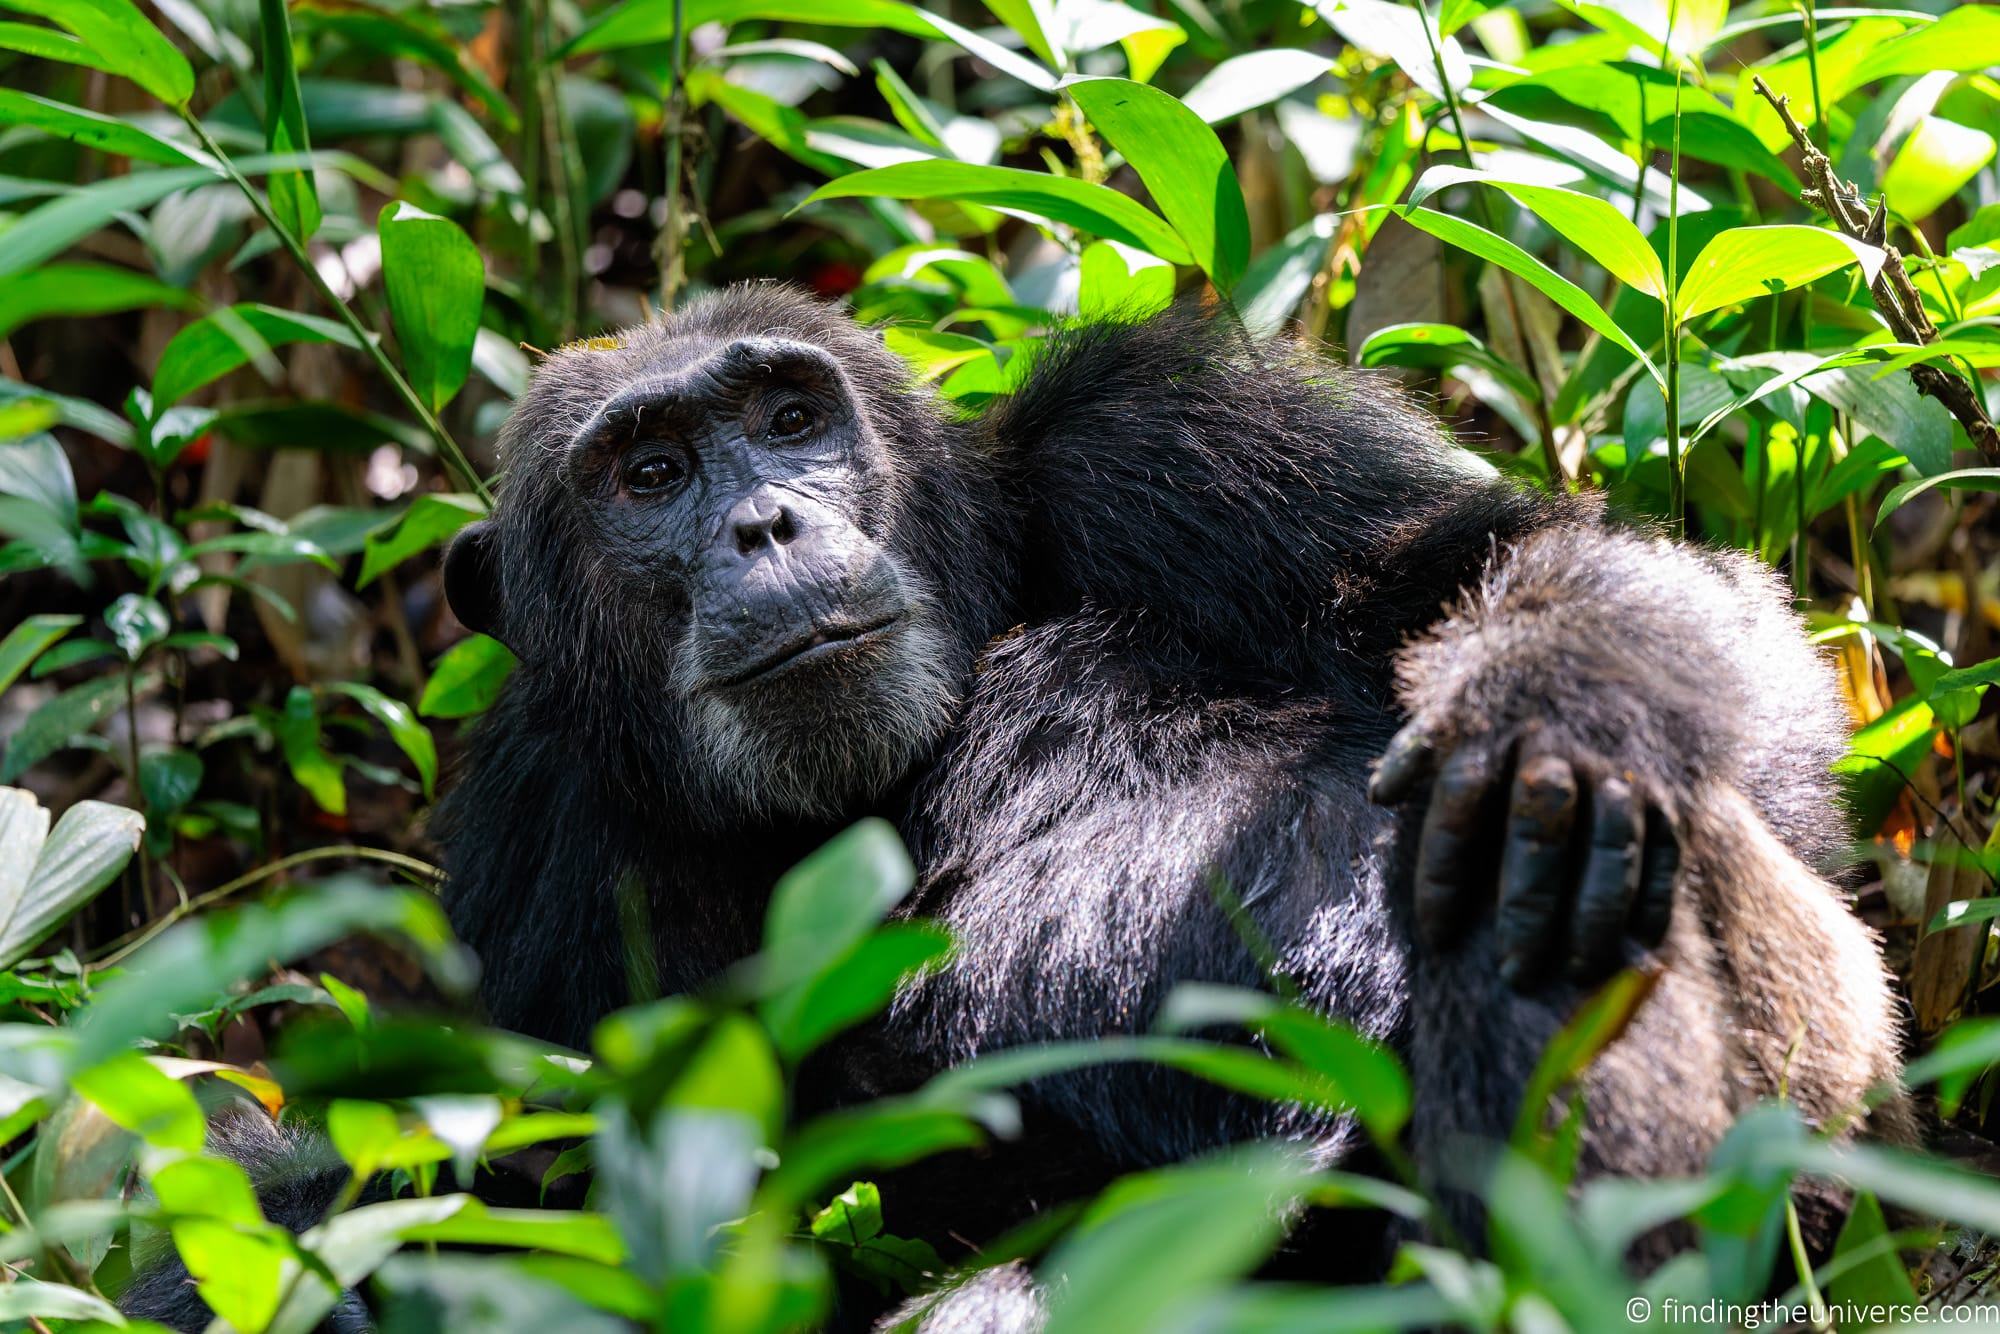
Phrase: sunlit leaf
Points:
(436, 282)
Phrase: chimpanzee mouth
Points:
(825, 641)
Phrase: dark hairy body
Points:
(1147, 624)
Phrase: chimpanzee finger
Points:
(1449, 848)
(1609, 882)
(1540, 815)
(1659, 877)
(1408, 760)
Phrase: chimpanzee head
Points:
(717, 538)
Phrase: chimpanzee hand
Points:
(1579, 864)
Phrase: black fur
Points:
(1192, 585)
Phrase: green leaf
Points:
(1933, 164)
(26, 642)
(1440, 347)
(1183, 165)
(51, 228)
(1592, 224)
(467, 679)
(1035, 21)
(1244, 83)
(826, 904)
(1156, 1244)
(1965, 37)
(76, 711)
(80, 289)
(153, 1105)
(431, 518)
(1096, 209)
(213, 346)
(46, 875)
(169, 779)
(1116, 282)
(136, 623)
(437, 287)
(932, 354)
(411, 736)
(1499, 250)
(93, 130)
(294, 197)
(1745, 263)
(857, 987)
(1278, 280)
(313, 767)
(122, 40)
(30, 1297)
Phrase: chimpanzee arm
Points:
(1618, 746)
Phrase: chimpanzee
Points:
(1140, 629)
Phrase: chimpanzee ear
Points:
(472, 579)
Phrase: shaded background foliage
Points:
(271, 275)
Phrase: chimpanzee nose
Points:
(758, 521)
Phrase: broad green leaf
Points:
(467, 679)
(93, 130)
(1934, 163)
(217, 344)
(1745, 263)
(88, 847)
(1035, 21)
(1278, 280)
(826, 904)
(169, 779)
(1965, 37)
(1091, 25)
(437, 287)
(1399, 32)
(431, 518)
(26, 641)
(80, 289)
(410, 736)
(138, 1097)
(1156, 1244)
(123, 40)
(1361, 1073)
(72, 713)
(51, 228)
(1879, 754)
(417, 33)
(1440, 347)
(25, 416)
(645, 22)
(932, 354)
(1116, 282)
(313, 767)
(1965, 479)
(1183, 165)
(27, 1298)
(294, 197)
(34, 39)
(856, 988)
(1244, 83)
(1592, 224)
(1499, 250)
(1096, 209)
(136, 623)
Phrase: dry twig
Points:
(1895, 295)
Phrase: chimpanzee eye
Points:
(791, 419)
(650, 474)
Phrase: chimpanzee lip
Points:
(823, 641)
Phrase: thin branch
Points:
(448, 450)
(1895, 295)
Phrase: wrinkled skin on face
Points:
(734, 570)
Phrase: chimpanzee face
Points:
(733, 495)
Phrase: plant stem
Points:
(528, 89)
(132, 940)
(1551, 457)
(1676, 477)
(669, 246)
(139, 798)
(1802, 1261)
(448, 450)
(1812, 68)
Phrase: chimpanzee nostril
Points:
(756, 523)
